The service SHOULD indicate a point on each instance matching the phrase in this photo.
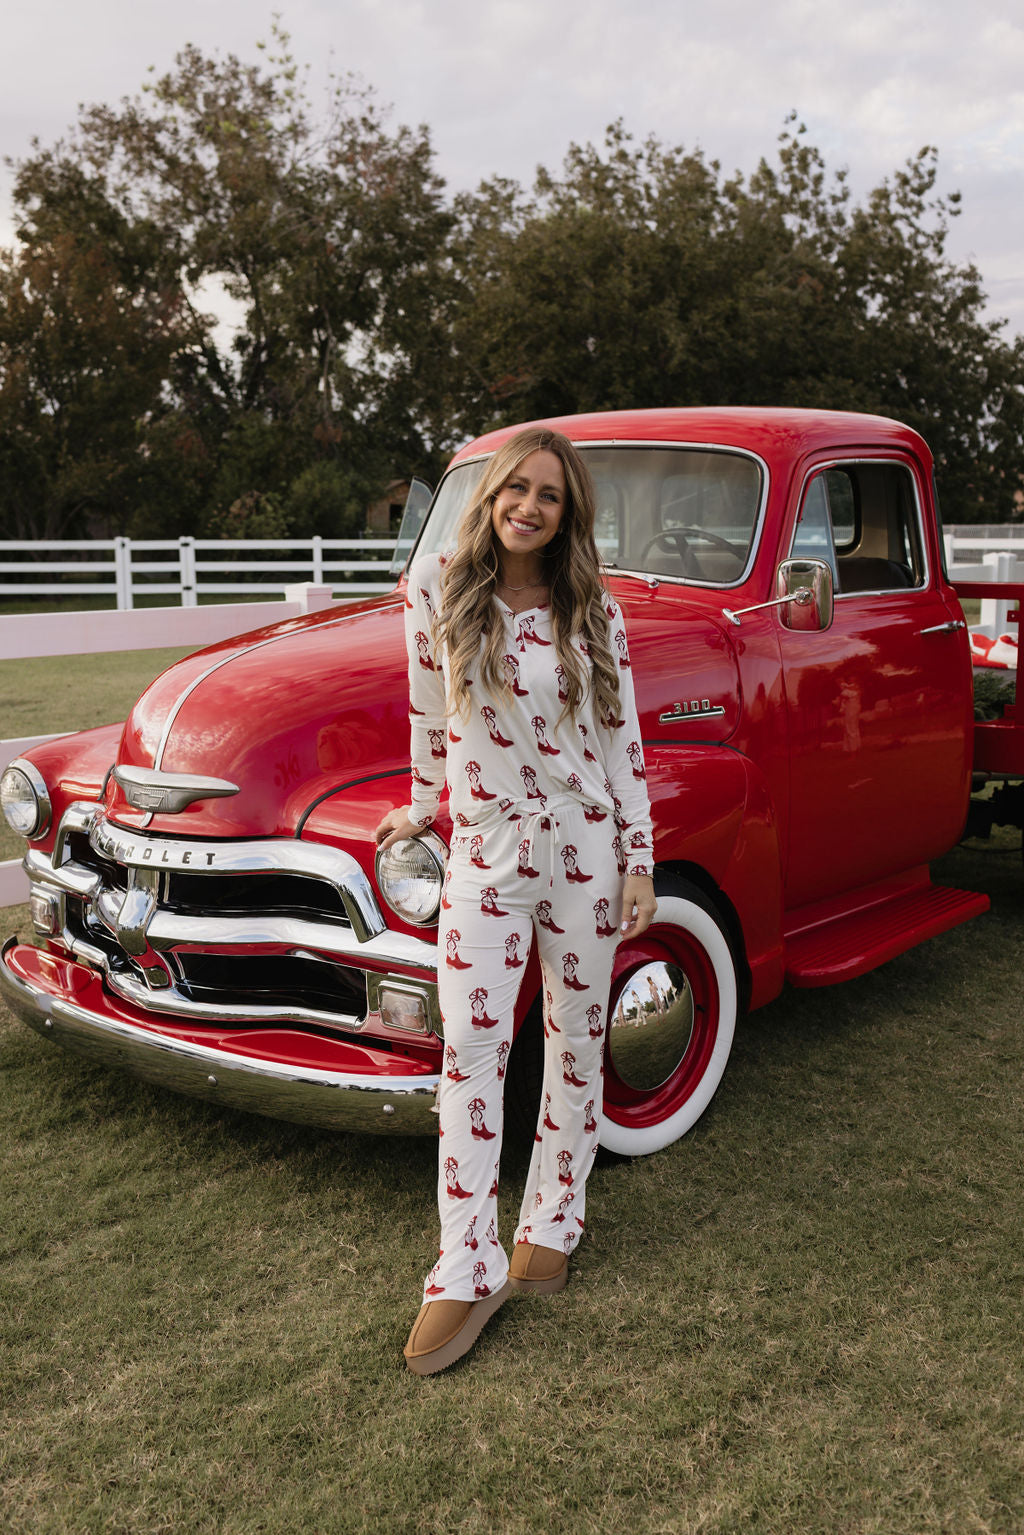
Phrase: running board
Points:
(842, 946)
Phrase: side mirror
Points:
(417, 504)
(805, 595)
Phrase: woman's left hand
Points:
(638, 905)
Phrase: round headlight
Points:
(409, 875)
(24, 799)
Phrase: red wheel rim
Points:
(637, 1107)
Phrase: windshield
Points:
(684, 513)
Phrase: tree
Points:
(89, 331)
(326, 227)
(642, 276)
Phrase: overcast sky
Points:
(507, 84)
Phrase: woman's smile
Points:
(527, 511)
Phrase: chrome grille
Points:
(264, 931)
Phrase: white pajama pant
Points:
(554, 877)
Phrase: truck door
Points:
(880, 742)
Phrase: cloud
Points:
(509, 85)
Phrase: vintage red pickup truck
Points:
(209, 911)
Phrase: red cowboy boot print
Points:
(480, 1289)
(569, 963)
(423, 649)
(446, 905)
(469, 1240)
(563, 1206)
(451, 1176)
(575, 783)
(544, 917)
(432, 1287)
(426, 600)
(478, 1002)
(539, 724)
(529, 777)
(476, 788)
(563, 689)
(489, 902)
(453, 738)
(547, 1121)
(491, 721)
(492, 1192)
(620, 640)
(595, 1020)
(550, 1026)
(567, 1245)
(512, 677)
(594, 813)
(573, 872)
(589, 1122)
(451, 1062)
(564, 1160)
(476, 852)
(492, 1233)
(437, 746)
(637, 841)
(452, 940)
(526, 635)
(588, 755)
(525, 869)
(636, 758)
(512, 960)
(604, 928)
(620, 857)
(503, 1050)
(479, 1131)
(569, 1076)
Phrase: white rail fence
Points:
(996, 554)
(124, 569)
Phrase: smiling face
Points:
(528, 508)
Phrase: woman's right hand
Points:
(395, 826)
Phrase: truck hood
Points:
(296, 712)
(287, 713)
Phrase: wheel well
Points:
(723, 908)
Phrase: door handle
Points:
(947, 628)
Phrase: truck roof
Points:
(761, 429)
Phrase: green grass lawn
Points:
(804, 1317)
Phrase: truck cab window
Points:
(863, 518)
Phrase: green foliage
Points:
(642, 276)
(382, 322)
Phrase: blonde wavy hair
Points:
(577, 598)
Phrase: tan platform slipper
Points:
(544, 1270)
(444, 1330)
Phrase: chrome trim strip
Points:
(333, 1100)
(243, 650)
(170, 1001)
(71, 877)
(168, 793)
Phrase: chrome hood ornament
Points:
(168, 793)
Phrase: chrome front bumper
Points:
(335, 1100)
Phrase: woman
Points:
(521, 697)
